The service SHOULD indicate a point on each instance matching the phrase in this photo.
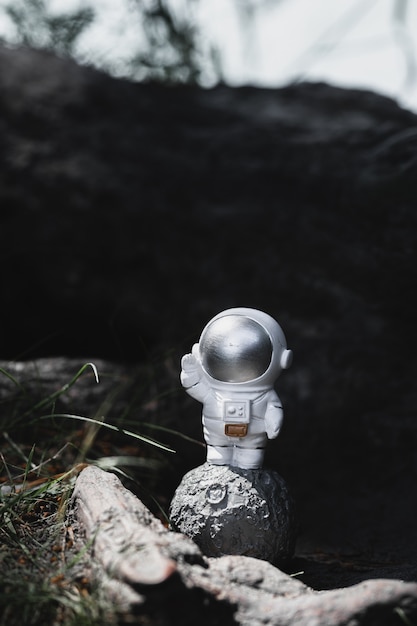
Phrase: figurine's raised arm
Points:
(192, 375)
(190, 371)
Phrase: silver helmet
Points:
(235, 349)
(242, 345)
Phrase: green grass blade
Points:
(13, 379)
(51, 398)
(172, 431)
(123, 431)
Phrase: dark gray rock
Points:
(229, 510)
(128, 194)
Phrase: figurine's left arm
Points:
(273, 416)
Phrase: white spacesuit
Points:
(232, 370)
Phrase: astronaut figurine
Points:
(231, 371)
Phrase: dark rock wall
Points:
(131, 214)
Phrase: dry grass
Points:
(45, 578)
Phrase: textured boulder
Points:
(228, 510)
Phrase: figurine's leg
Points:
(248, 458)
(250, 450)
(219, 448)
(219, 455)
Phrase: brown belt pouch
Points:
(236, 430)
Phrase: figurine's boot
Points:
(248, 458)
(219, 455)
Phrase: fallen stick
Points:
(165, 571)
(121, 528)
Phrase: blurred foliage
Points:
(169, 44)
(168, 48)
(37, 27)
(172, 52)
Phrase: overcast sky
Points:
(358, 43)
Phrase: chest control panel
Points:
(236, 411)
